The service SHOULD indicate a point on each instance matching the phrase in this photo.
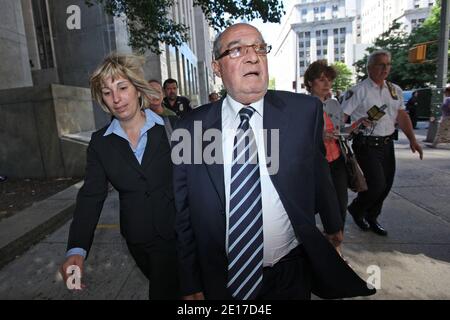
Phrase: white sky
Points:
(270, 31)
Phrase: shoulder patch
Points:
(348, 95)
(392, 90)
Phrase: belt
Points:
(375, 141)
(294, 254)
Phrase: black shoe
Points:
(360, 222)
(377, 228)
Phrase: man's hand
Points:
(74, 260)
(416, 147)
(365, 122)
(335, 238)
(195, 296)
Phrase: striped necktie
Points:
(245, 227)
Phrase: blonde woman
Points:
(133, 153)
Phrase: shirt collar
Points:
(237, 106)
(373, 84)
(151, 118)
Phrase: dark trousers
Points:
(158, 262)
(378, 165)
(288, 279)
(340, 182)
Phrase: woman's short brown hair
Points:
(127, 66)
(315, 71)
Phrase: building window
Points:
(342, 30)
(318, 33)
(301, 44)
(302, 64)
(301, 54)
(322, 9)
(316, 10)
(318, 42)
(300, 35)
(325, 42)
(43, 38)
(325, 32)
(308, 44)
(304, 12)
(308, 34)
(325, 52)
(335, 8)
(335, 31)
(319, 53)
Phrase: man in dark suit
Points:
(245, 223)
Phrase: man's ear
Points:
(216, 68)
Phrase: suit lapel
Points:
(274, 119)
(154, 137)
(124, 149)
(215, 170)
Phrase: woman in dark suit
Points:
(133, 154)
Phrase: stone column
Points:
(15, 71)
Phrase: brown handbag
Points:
(356, 180)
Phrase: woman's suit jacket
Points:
(145, 190)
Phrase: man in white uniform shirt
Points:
(374, 146)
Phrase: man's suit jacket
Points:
(145, 190)
(302, 182)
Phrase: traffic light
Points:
(417, 54)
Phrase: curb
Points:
(29, 226)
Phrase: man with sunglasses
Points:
(245, 227)
(374, 146)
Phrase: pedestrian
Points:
(411, 107)
(133, 153)
(374, 147)
(178, 104)
(443, 132)
(156, 102)
(213, 96)
(244, 232)
(318, 80)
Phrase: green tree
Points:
(403, 73)
(149, 24)
(344, 76)
(272, 84)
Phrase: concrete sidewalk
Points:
(414, 259)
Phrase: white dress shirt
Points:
(359, 99)
(279, 236)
